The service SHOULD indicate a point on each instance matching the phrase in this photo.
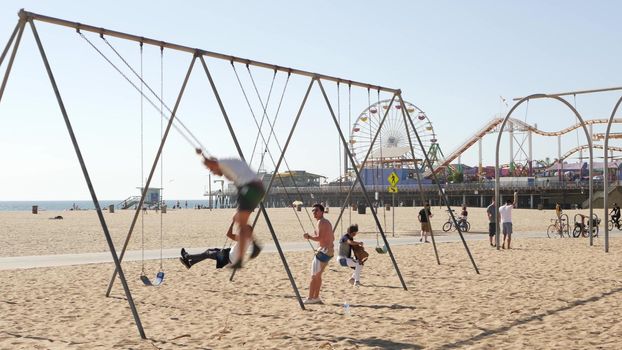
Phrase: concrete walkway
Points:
(28, 262)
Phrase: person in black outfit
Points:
(615, 215)
(424, 218)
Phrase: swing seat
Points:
(381, 250)
(146, 280)
(156, 282)
(159, 279)
(343, 262)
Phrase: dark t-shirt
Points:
(345, 249)
(491, 210)
(422, 215)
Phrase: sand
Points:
(544, 293)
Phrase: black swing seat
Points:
(156, 282)
(381, 250)
(145, 280)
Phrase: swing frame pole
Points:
(345, 202)
(139, 207)
(194, 51)
(365, 194)
(412, 151)
(277, 166)
(241, 154)
(87, 178)
(443, 194)
(10, 41)
(21, 24)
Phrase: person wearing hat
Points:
(615, 215)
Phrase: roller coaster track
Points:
(518, 125)
(584, 147)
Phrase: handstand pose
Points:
(223, 256)
(250, 193)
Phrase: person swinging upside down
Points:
(223, 256)
(250, 193)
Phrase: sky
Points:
(454, 60)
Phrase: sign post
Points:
(393, 180)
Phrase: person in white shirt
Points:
(250, 193)
(505, 212)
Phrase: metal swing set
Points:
(29, 18)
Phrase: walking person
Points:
(505, 212)
(492, 223)
(615, 215)
(325, 237)
(424, 218)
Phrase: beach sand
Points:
(542, 294)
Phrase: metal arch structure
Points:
(606, 183)
(497, 172)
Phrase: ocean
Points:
(83, 205)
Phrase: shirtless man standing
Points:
(325, 237)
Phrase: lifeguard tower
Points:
(152, 199)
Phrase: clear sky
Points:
(453, 59)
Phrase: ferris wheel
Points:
(392, 145)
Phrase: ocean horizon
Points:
(61, 205)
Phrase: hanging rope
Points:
(384, 211)
(351, 147)
(190, 137)
(142, 166)
(263, 114)
(339, 145)
(266, 144)
(162, 154)
(278, 109)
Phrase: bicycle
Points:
(611, 224)
(558, 228)
(581, 229)
(464, 225)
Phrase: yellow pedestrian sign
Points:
(393, 180)
(392, 189)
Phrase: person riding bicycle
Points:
(464, 213)
(615, 215)
(463, 217)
